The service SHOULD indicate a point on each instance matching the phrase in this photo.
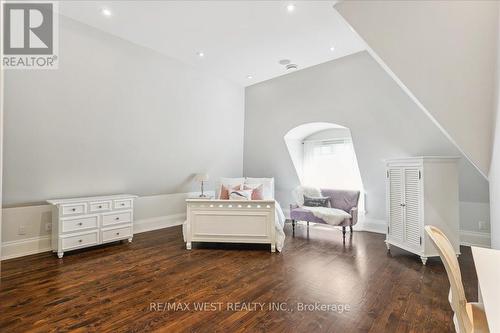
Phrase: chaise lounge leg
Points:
(307, 225)
(293, 227)
(343, 232)
(350, 227)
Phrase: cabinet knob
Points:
(117, 233)
(117, 218)
(123, 204)
(73, 209)
(99, 206)
(80, 223)
(80, 240)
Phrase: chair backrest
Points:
(342, 199)
(449, 258)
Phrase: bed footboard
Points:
(231, 221)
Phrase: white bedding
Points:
(279, 221)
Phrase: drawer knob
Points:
(123, 204)
(73, 209)
(117, 218)
(117, 233)
(99, 206)
(80, 223)
(80, 240)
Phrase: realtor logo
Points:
(29, 35)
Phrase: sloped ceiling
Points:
(443, 53)
(238, 38)
(357, 93)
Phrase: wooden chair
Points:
(469, 317)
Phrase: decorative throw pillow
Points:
(316, 201)
(229, 183)
(267, 183)
(257, 191)
(241, 195)
(226, 189)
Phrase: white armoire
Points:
(422, 191)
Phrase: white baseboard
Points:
(467, 238)
(25, 247)
(475, 238)
(372, 225)
(28, 246)
(159, 222)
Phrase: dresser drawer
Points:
(116, 233)
(122, 204)
(99, 206)
(81, 240)
(114, 218)
(74, 209)
(80, 223)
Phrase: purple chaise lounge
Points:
(340, 199)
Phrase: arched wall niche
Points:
(323, 156)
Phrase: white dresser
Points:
(422, 191)
(84, 222)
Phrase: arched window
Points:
(323, 155)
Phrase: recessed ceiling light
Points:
(284, 62)
(106, 12)
(332, 48)
(249, 77)
(290, 7)
(290, 67)
(200, 54)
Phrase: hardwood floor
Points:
(116, 288)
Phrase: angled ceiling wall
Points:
(444, 53)
(357, 93)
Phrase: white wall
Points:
(444, 53)
(494, 176)
(116, 118)
(150, 213)
(495, 189)
(357, 93)
(2, 86)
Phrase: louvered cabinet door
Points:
(396, 217)
(412, 208)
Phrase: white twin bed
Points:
(235, 220)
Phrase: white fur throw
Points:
(332, 216)
(310, 191)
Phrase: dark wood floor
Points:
(111, 288)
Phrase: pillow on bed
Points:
(226, 189)
(241, 195)
(229, 183)
(267, 183)
(257, 191)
